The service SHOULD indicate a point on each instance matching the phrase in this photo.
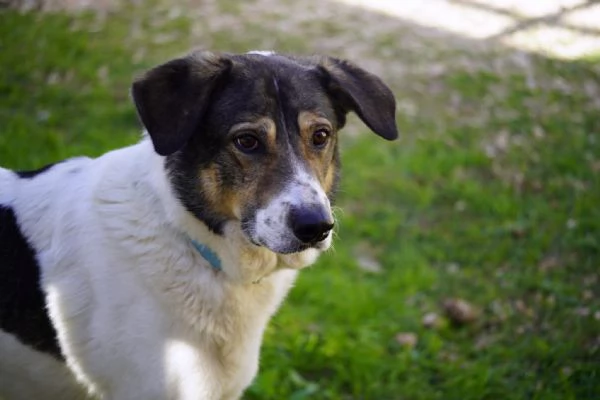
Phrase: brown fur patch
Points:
(320, 161)
(252, 183)
(210, 184)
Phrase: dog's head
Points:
(252, 138)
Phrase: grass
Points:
(492, 196)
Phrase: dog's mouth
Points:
(300, 247)
(287, 242)
(293, 247)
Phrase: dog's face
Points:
(253, 138)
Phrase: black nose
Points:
(310, 225)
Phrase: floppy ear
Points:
(172, 98)
(354, 89)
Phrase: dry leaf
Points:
(460, 311)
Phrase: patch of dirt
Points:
(412, 58)
(56, 5)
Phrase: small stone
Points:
(566, 371)
(460, 206)
(549, 263)
(484, 341)
(366, 258)
(43, 115)
(582, 311)
(369, 264)
(453, 268)
(430, 320)
(407, 339)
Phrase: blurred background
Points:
(467, 260)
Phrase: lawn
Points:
(491, 198)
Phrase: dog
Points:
(151, 271)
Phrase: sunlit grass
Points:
(491, 196)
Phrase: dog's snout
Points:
(310, 225)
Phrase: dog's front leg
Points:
(192, 371)
(186, 388)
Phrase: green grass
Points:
(492, 196)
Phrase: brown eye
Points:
(320, 137)
(247, 143)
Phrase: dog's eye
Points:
(247, 143)
(320, 137)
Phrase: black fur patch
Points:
(34, 173)
(22, 307)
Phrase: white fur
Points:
(265, 53)
(139, 313)
(7, 182)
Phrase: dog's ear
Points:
(172, 98)
(354, 89)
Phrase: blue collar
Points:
(209, 255)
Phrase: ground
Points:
(466, 263)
